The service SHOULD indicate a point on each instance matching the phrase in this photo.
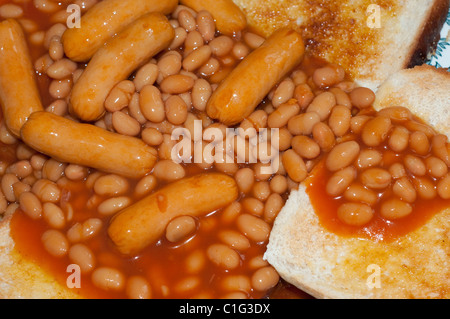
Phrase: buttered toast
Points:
(370, 40)
(327, 264)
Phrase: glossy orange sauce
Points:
(378, 227)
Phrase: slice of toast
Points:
(326, 265)
(370, 40)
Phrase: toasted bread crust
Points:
(426, 42)
(338, 31)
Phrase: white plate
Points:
(441, 57)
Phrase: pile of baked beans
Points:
(320, 115)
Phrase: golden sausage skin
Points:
(143, 223)
(104, 20)
(115, 61)
(228, 16)
(19, 94)
(253, 78)
(88, 145)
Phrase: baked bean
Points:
(376, 178)
(194, 40)
(61, 69)
(355, 214)
(176, 110)
(151, 104)
(180, 228)
(236, 283)
(201, 92)
(415, 165)
(10, 11)
(145, 185)
(85, 230)
(340, 180)
(53, 215)
(294, 165)
(151, 136)
(112, 205)
(261, 190)
(137, 287)
(210, 68)
(281, 115)
(419, 143)
(435, 166)
(230, 212)
(303, 95)
(322, 104)
(221, 45)
(397, 170)
(416, 126)
(399, 139)
(368, 158)
(357, 123)
(111, 185)
(358, 193)
(394, 208)
(253, 227)
(404, 190)
(342, 97)
(342, 155)
(21, 168)
(197, 58)
(169, 64)
(146, 75)
(443, 187)
(376, 130)
(283, 92)
(396, 113)
(176, 84)
(108, 278)
(272, 207)
(58, 107)
(278, 184)
(253, 206)
(265, 278)
(425, 187)
(302, 124)
(4, 204)
(53, 169)
(206, 25)
(120, 96)
(60, 89)
(75, 172)
(187, 20)
(125, 124)
(305, 146)
(30, 205)
(234, 239)
(223, 256)
(46, 190)
(362, 97)
(168, 170)
(323, 136)
(83, 256)
(283, 142)
(339, 120)
(55, 242)
(439, 148)
(240, 50)
(178, 40)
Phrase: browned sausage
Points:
(88, 145)
(19, 94)
(246, 86)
